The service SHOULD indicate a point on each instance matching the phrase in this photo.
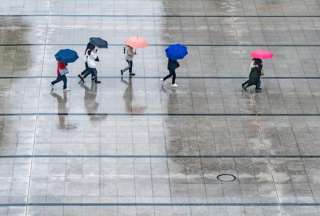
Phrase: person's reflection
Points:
(90, 103)
(62, 110)
(129, 97)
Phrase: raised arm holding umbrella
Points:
(63, 57)
(131, 44)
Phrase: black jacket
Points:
(255, 74)
(173, 64)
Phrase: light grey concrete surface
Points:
(135, 147)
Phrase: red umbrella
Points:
(136, 42)
(261, 54)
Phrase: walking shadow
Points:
(128, 97)
(90, 102)
(62, 111)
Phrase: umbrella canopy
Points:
(176, 51)
(66, 55)
(261, 54)
(136, 42)
(99, 42)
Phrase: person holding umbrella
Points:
(130, 44)
(255, 75)
(92, 58)
(172, 66)
(63, 57)
(174, 52)
(90, 47)
(130, 53)
(91, 61)
(256, 68)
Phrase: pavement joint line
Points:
(159, 16)
(163, 114)
(158, 77)
(168, 156)
(165, 45)
(266, 204)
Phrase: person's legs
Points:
(126, 68)
(95, 75)
(166, 77)
(258, 84)
(173, 72)
(64, 79)
(130, 68)
(87, 72)
(58, 79)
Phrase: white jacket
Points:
(91, 59)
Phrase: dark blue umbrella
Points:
(176, 51)
(66, 55)
(99, 42)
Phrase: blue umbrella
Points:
(99, 42)
(66, 55)
(176, 51)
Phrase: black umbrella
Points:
(99, 42)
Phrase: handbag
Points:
(63, 72)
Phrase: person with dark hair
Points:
(255, 75)
(130, 53)
(172, 66)
(61, 76)
(91, 65)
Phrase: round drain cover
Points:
(226, 177)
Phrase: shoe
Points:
(66, 90)
(81, 78)
(174, 85)
(258, 89)
(97, 81)
(121, 71)
(244, 87)
(132, 74)
(52, 87)
(162, 80)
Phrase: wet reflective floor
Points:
(135, 147)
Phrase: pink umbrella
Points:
(136, 42)
(261, 54)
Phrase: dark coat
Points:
(173, 64)
(255, 74)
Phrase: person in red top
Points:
(61, 75)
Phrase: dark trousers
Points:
(247, 84)
(130, 65)
(92, 71)
(173, 74)
(61, 78)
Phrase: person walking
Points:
(130, 53)
(172, 66)
(91, 65)
(90, 47)
(255, 75)
(62, 71)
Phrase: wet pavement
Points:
(135, 147)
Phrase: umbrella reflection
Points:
(62, 110)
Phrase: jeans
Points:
(92, 71)
(61, 78)
(173, 74)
